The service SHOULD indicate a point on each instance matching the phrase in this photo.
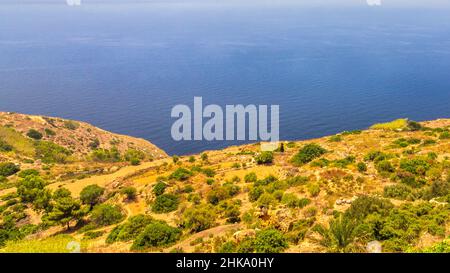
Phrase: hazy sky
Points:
(391, 3)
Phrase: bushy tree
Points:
(156, 234)
(130, 193)
(31, 189)
(64, 210)
(181, 174)
(308, 153)
(106, 214)
(90, 195)
(199, 218)
(165, 203)
(270, 241)
(130, 230)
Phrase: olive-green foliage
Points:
(34, 134)
(165, 203)
(129, 192)
(199, 218)
(362, 167)
(397, 191)
(384, 166)
(250, 177)
(265, 157)
(181, 174)
(65, 209)
(5, 147)
(31, 189)
(340, 236)
(8, 169)
(156, 234)
(106, 214)
(50, 152)
(28, 172)
(159, 188)
(105, 155)
(292, 201)
(308, 153)
(219, 193)
(266, 241)
(90, 195)
(130, 230)
(416, 166)
(134, 156)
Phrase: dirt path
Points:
(103, 180)
(216, 231)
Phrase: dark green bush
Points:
(130, 230)
(308, 153)
(264, 158)
(165, 203)
(50, 152)
(5, 147)
(105, 215)
(159, 188)
(34, 134)
(90, 195)
(156, 234)
(8, 169)
(398, 191)
(181, 174)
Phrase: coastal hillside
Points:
(381, 189)
(79, 139)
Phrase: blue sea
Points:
(123, 67)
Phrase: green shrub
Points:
(130, 192)
(362, 167)
(416, 166)
(159, 188)
(308, 153)
(292, 201)
(8, 169)
(5, 147)
(90, 195)
(254, 193)
(266, 200)
(105, 155)
(34, 134)
(50, 152)
(130, 230)
(250, 177)
(181, 174)
(265, 157)
(156, 234)
(199, 218)
(384, 166)
(336, 138)
(398, 191)
(165, 203)
(71, 125)
(28, 172)
(208, 172)
(105, 215)
(134, 156)
(49, 132)
(270, 241)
